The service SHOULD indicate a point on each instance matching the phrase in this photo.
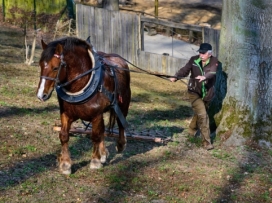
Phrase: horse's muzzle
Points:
(43, 97)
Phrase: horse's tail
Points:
(112, 120)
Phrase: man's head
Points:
(205, 51)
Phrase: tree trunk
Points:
(112, 5)
(246, 55)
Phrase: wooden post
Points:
(156, 8)
(112, 5)
(191, 35)
(4, 10)
(142, 36)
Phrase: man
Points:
(200, 89)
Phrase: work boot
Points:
(208, 146)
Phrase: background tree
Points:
(246, 56)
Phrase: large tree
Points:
(246, 55)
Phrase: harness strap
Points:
(107, 93)
(79, 76)
(48, 78)
(114, 105)
(113, 100)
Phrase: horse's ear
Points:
(88, 40)
(44, 46)
(59, 49)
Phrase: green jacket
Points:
(205, 89)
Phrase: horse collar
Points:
(89, 90)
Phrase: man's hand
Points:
(173, 79)
(200, 78)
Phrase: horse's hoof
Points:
(65, 168)
(120, 148)
(104, 157)
(95, 164)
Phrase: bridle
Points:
(62, 64)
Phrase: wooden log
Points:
(133, 137)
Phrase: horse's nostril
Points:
(44, 96)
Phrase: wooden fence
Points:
(122, 33)
(158, 63)
(109, 31)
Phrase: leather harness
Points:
(95, 85)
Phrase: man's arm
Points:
(184, 71)
(213, 70)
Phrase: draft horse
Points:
(88, 84)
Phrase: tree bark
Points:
(246, 55)
(112, 5)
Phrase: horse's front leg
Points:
(99, 152)
(64, 160)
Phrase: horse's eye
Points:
(55, 69)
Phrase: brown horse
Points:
(88, 83)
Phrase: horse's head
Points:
(51, 63)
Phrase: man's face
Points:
(204, 56)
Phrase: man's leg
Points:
(193, 126)
(202, 119)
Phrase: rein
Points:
(162, 76)
(96, 83)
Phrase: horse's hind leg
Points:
(121, 142)
(99, 152)
(64, 159)
(124, 105)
